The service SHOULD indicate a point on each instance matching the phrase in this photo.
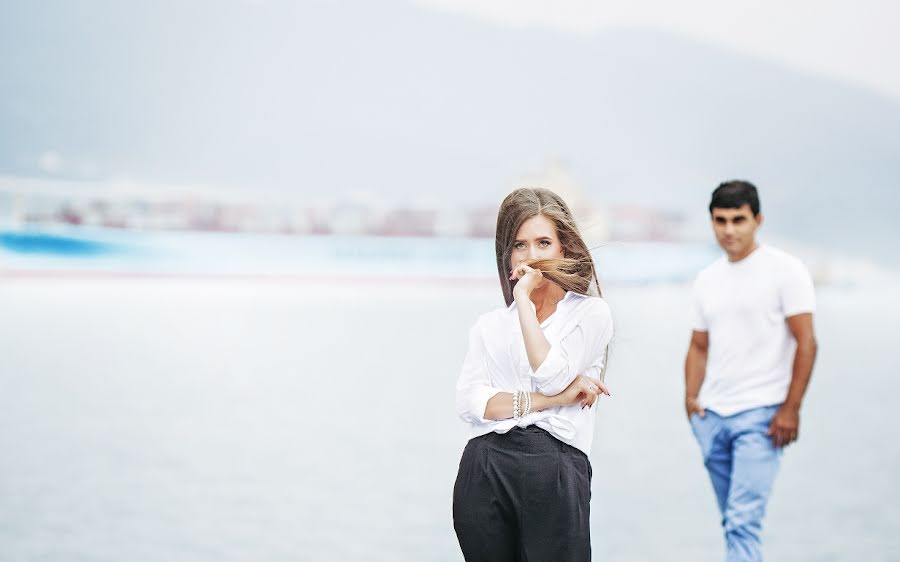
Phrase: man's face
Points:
(736, 229)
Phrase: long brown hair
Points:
(574, 272)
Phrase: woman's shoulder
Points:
(588, 312)
(491, 318)
(590, 305)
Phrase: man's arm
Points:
(785, 426)
(695, 371)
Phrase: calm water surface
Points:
(248, 421)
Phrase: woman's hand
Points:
(529, 279)
(583, 390)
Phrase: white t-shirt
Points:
(496, 361)
(743, 306)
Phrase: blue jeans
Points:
(742, 463)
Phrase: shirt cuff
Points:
(550, 377)
(478, 399)
(808, 309)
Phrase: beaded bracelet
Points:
(521, 404)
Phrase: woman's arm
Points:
(500, 406)
(536, 345)
(473, 389)
(554, 367)
(583, 389)
(556, 378)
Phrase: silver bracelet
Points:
(516, 415)
(527, 403)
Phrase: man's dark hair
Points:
(735, 194)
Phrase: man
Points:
(749, 362)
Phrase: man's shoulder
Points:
(782, 261)
(711, 270)
(774, 253)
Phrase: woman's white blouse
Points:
(579, 332)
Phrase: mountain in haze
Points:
(324, 97)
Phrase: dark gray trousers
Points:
(523, 496)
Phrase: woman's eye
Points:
(518, 245)
(545, 243)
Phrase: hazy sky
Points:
(852, 41)
(457, 101)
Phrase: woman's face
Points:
(536, 239)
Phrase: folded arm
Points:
(582, 348)
(479, 402)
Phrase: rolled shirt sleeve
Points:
(597, 371)
(473, 388)
(579, 349)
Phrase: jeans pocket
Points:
(694, 420)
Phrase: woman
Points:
(528, 385)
